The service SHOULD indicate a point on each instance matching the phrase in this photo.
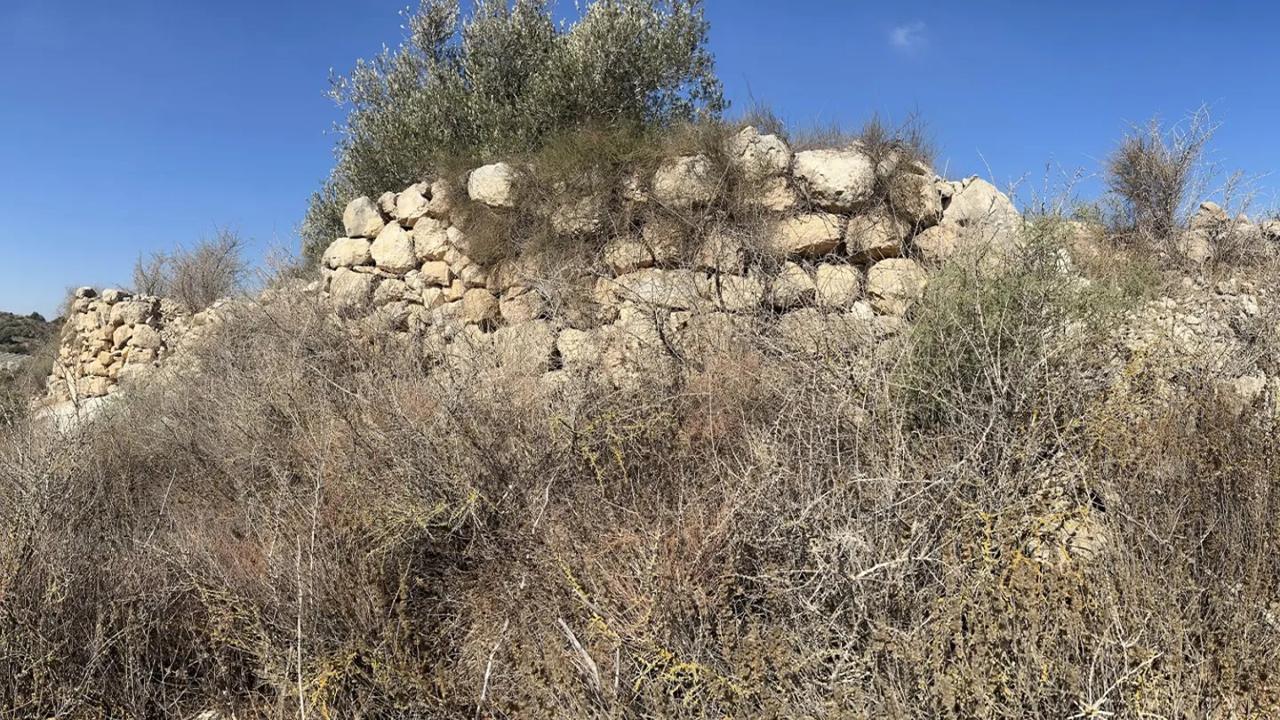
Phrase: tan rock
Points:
(146, 337)
(836, 180)
(442, 199)
(684, 182)
(627, 254)
(736, 293)
(838, 286)
(758, 156)
(479, 307)
(387, 204)
(665, 288)
(393, 250)
(430, 239)
(914, 199)
(436, 273)
(524, 307)
(411, 205)
(773, 194)
(526, 349)
(894, 284)
(347, 252)
(361, 218)
(938, 243)
(494, 185)
(792, 287)
(809, 236)
(132, 312)
(351, 291)
(875, 236)
(721, 251)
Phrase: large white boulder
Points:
(980, 205)
(838, 286)
(494, 185)
(393, 250)
(875, 236)
(894, 284)
(684, 182)
(411, 204)
(362, 219)
(678, 289)
(810, 235)
(836, 180)
(347, 252)
(351, 291)
(758, 156)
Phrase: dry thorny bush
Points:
(962, 521)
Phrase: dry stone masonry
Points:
(109, 337)
(407, 259)
(844, 246)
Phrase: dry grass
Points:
(986, 517)
(196, 276)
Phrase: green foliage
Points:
(503, 80)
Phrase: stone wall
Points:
(109, 337)
(840, 247)
(838, 236)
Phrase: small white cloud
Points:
(909, 37)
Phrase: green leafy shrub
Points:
(504, 79)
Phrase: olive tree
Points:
(505, 78)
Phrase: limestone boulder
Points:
(393, 250)
(937, 244)
(792, 287)
(387, 204)
(893, 285)
(411, 205)
(133, 312)
(351, 291)
(494, 185)
(526, 349)
(758, 156)
(837, 286)
(1194, 246)
(362, 219)
(442, 199)
(430, 239)
(479, 307)
(582, 216)
(875, 236)
(836, 180)
(627, 254)
(773, 194)
(678, 289)
(721, 251)
(915, 199)
(685, 182)
(810, 236)
(145, 337)
(736, 293)
(1209, 217)
(347, 252)
(523, 307)
(979, 205)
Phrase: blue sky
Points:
(131, 125)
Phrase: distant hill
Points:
(22, 334)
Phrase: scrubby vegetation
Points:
(993, 515)
(195, 276)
